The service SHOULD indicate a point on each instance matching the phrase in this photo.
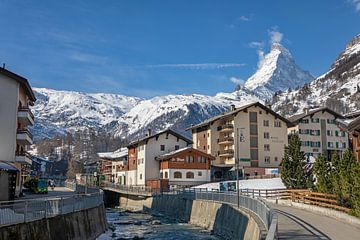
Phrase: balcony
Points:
(25, 116)
(23, 158)
(226, 141)
(226, 128)
(226, 153)
(23, 136)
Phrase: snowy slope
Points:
(277, 72)
(175, 111)
(339, 88)
(59, 111)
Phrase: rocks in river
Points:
(137, 223)
(155, 222)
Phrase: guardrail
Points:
(253, 204)
(23, 211)
(130, 189)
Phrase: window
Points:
(142, 160)
(315, 132)
(342, 133)
(343, 145)
(177, 175)
(199, 174)
(202, 159)
(330, 144)
(162, 147)
(177, 147)
(267, 159)
(266, 123)
(189, 175)
(314, 120)
(337, 144)
(329, 133)
(336, 133)
(254, 154)
(331, 121)
(204, 147)
(253, 129)
(204, 136)
(304, 121)
(138, 161)
(134, 162)
(277, 124)
(266, 135)
(253, 117)
(189, 159)
(140, 175)
(253, 141)
(208, 146)
(161, 175)
(166, 175)
(266, 147)
(275, 159)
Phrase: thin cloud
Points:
(244, 18)
(356, 4)
(256, 44)
(88, 58)
(198, 66)
(237, 81)
(275, 35)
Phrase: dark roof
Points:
(242, 108)
(350, 125)
(7, 167)
(297, 117)
(185, 149)
(167, 131)
(23, 81)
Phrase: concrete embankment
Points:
(84, 224)
(223, 219)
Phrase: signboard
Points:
(245, 159)
(271, 171)
(227, 186)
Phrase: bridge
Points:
(279, 210)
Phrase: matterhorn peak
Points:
(277, 71)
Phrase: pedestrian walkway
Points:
(296, 223)
(57, 192)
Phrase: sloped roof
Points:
(185, 149)
(23, 81)
(239, 109)
(297, 117)
(122, 152)
(167, 131)
(350, 124)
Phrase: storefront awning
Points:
(7, 167)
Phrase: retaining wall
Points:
(85, 224)
(223, 219)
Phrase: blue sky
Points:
(149, 48)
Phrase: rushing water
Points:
(139, 225)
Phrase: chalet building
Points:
(252, 134)
(142, 164)
(352, 126)
(319, 133)
(16, 96)
(185, 167)
(113, 165)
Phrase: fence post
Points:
(45, 212)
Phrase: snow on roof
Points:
(174, 152)
(122, 152)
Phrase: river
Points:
(139, 225)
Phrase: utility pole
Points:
(237, 167)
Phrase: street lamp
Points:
(237, 167)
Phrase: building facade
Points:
(352, 126)
(319, 132)
(113, 165)
(185, 167)
(16, 97)
(253, 134)
(143, 165)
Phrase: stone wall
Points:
(85, 224)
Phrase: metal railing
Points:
(130, 189)
(23, 211)
(251, 203)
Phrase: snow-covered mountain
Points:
(57, 112)
(338, 88)
(277, 71)
(175, 111)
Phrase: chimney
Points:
(306, 110)
(3, 65)
(232, 107)
(148, 132)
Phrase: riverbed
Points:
(139, 225)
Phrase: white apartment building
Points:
(115, 165)
(319, 132)
(253, 134)
(143, 152)
(16, 96)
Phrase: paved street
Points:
(296, 223)
(58, 191)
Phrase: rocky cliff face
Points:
(338, 88)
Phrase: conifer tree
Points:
(294, 172)
(322, 171)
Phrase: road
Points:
(296, 223)
(58, 191)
